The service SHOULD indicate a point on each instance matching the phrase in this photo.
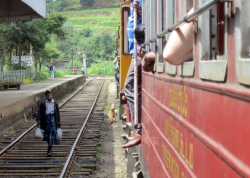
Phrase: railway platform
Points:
(16, 104)
(13, 95)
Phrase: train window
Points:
(159, 49)
(152, 23)
(213, 43)
(170, 18)
(146, 20)
(187, 68)
(125, 15)
(242, 42)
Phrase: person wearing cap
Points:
(48, 119)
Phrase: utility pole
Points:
(84, 63)
(72, 57)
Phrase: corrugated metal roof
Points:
(16, 10)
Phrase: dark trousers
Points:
(129, 92)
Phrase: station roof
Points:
(19, 10)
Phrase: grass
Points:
(99, 150)
(99, 20)
(28, 80)
(90, 12)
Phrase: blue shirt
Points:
(130, 27)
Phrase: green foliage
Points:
(101, 68)
(86, 32)
(40, 76)
(99, 47)
(66, 5)
(53, 25)
(28, 80)
(61, 73)
(99, 150)
(115, 4)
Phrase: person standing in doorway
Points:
(129, 82)
(83, 70)
(48, 119)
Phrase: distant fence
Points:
(15, 76)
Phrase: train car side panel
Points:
(192, 138)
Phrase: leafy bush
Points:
(101, 68)
(61, 73)
(28, 80)
(40, 76)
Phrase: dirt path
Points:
(111, 161)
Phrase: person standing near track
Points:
(74, 69)
(51, 69)
(48, 119)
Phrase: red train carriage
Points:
(196, 116)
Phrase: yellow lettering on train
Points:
(183, 175)
(172, 134)
(191, 156)
(183, 146)
(170, 163)
(178, 99)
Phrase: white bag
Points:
(59, 133)
(38, 133)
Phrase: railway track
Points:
(81, 119)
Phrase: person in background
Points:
(74, 69)
(48, 119)
(129, 82)
(117, 68)
(51, 69)
(83, 70)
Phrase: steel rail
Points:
(79, 135)
(188, 18)
(33, 126)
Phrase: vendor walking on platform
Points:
(48, 118)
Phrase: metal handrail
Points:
(188, 18)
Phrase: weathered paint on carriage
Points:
(182, 137)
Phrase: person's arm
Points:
(148, 62)
(179, 47)
(137, 5)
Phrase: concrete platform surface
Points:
(12, 95)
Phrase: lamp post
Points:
(84, 61)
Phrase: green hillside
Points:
(98, 20)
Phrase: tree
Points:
(20, 36)
(7, 32)
(54, 25)
(45, 56)
(86, 32)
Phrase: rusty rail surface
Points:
(75, 156)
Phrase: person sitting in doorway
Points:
(129, 82)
